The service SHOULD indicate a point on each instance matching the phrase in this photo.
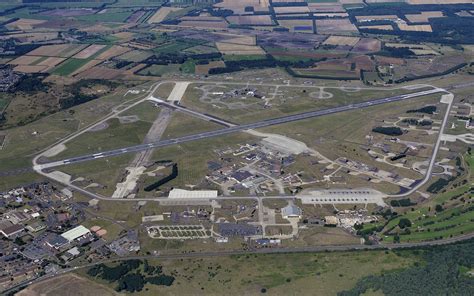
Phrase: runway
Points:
(234, 129)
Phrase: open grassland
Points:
(26, 141)
(115, 135)
(182, 124)
(68, 284)
(293, 274)
(100, 176)
(287, 100)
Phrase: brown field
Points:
(30, 69)
(291, 9)
(204, 24)
(32, 37)
(389, 61)
(336, 26)
(326, 7)
(238, 7)
(51, 62)
(342, 40)
(202, 18)
(291, 24)
(88, 51)
(69, 284)
(24, 24)
(379, 27)
(424, 16)
(161, 14)
(88, 65)
(204, 69)
(417, 28)
(367, 45)
(24, 60)
(114, 51)
(239, 39)
(251, 20)
(136, 68)
(367, 18)
(332, 14)
(59, 50)
(238, 49)
(100, 73)
(125, 36)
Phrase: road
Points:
(234, 129)
(429, 170)
(309, 249)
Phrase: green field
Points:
(292, 274)
(70, 65)
(116, 135)
(289, 100)
(160, 70)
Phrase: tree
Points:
(404, 222)
(439, 208)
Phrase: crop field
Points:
(61, 50)
(250, 20)
(378, 27)
(239, 49)
(341, 40)
(25, 24)
(161, 14)
(297, 25)
(423, 17)
(113, 51)
(336, 26)
(416, 28)
(135, 56)
(88, 51)
(204, 69)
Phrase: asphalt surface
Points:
(234, 129)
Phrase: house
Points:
(17, 217)
(240, 176)
(36, 226)
(12, 231)
(56, 241)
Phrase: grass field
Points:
(116, 135)
(104, 172)
(288, 100)
(160, 70)
(182, 124)
(68, 284)
(292, 274)
(71, 65)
